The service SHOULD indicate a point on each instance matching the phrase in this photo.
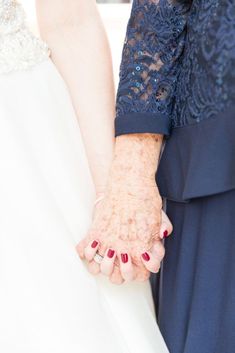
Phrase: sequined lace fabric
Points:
(178, 60)
(19, 48)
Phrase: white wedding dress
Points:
(49, 303)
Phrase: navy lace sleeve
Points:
(148, 74)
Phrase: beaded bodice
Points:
(19, 48)
(178, 60)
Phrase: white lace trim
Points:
(19, 48)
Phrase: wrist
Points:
(132, 186)
(130, 178)
(129, 191)
(136, 159)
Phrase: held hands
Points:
(127, 230)
(123, 262)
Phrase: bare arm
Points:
(129, 219)
(135, 161)
(80, 50)
(130, 216)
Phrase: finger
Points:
(166, 226)
(107, 265)
(80, 248)
(158, 250)
(151, 263)
(93, 268)
(91, 249)
(126, 267)
(116, 277)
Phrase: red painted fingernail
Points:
(165, 234)
(124, 258)
(94, 244)
(146, 256)
(110, 253)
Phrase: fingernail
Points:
(146, 256)
(165, 234)
(110, 253)
(94, 244)
(124, 258)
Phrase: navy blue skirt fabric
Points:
(195, 296)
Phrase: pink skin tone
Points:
(129, 220)
(151, 260)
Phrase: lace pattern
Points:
(206, 83)
(178, 59)
(154, 43)
(19, 48)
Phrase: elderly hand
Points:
(123, 261)
(128, 220)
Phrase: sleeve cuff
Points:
(135, 123)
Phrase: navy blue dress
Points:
(177, 78)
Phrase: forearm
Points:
(129, 218)
(136, 160)
(81, 53)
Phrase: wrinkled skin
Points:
(128, 220)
